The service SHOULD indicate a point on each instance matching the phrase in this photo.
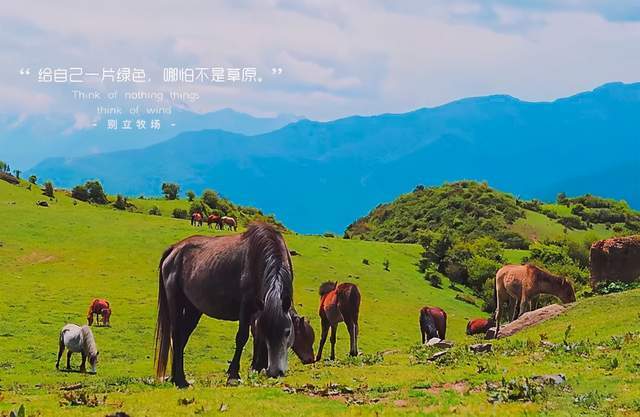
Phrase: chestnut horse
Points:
(99, 307)
(302, 342)
(519, 284)
(229, 221)
(214, 218)
(339, 303)
(235, 278)
(433, 323)
(480, 326)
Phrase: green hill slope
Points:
(56, 259)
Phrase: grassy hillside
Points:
(56, 259)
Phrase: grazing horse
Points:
(433, 323)
(196, 219)
(241, 277)
(229, 221)
(339, 303)
(519, 284)
(302, 342)
(99, 307)
(78, 339)
(480, 326)
(214, 218)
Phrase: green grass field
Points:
(55, 260)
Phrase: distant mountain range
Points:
(319, 176)
(26, 140)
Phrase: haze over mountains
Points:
(26, 140)
(319, 176)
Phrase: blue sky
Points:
(339, 57)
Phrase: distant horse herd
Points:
(197, 219)
(248, 278)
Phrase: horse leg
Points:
(83, 366)
(524, 302)
(241, 339)
(60, 352)
(69, 359)
(260, 360)
(498, 313)
(514, 306)
(334, 328)
(352, 328)
(187, 322)
(323, 337)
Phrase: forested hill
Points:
(470, 210)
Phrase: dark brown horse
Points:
(237, 278)
(304, 337)
(433, 323)
(339, 303)
(217, 220)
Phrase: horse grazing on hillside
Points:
(241, 277)
(480, 326)
(339, 303)
(230, 221)
(214, 219)
(519, 284)
(304, 337)
(78, 339)
(433, 323)
(101, 308)
(196, 219)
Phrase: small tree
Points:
(17, 172)
(155, 211)
(79, 192)
(120, 203)
(96, 192)
(48, 189)
(170, 190)
(191, 195)
(211, 199)
(386, 264)
(33, 179)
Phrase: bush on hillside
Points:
(120, 203)
(179, 213)
(48, 189)
(155, 211)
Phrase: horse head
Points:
(304, 337)
(278, 332)
(568, 294)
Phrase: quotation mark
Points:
(276, 70)
(25, 71)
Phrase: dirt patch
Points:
(460, 387)
(531, 318)
(348, 395)
(37, 258)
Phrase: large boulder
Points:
(615, 259)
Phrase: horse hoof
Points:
(233, 381)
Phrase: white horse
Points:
(78, 339)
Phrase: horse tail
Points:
(163, 325)
(354, 300)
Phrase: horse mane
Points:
(326, 287)
(548, 276)
(267, 249)
(88, 342)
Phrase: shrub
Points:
(434, 278)
(96, 192)
(211, 199)
(48, 189)
(155, 211)
(80, 192)
(33, 179)
(120, 203)
(170, 190)
(191, 195)
(179, 213)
